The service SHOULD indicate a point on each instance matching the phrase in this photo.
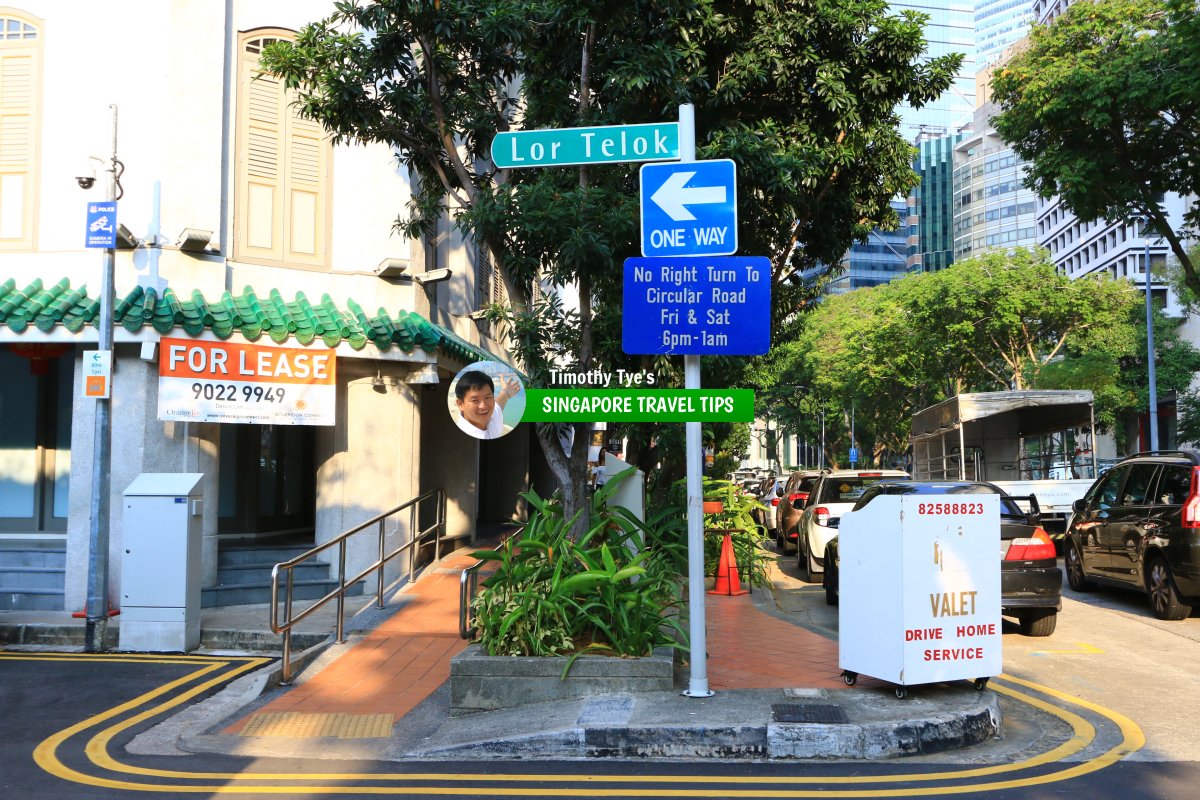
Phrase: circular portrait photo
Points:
(486, 399)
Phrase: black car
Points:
(1138, 527)
(1030, 580)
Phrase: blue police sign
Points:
(689, 208)
(705, 305)
(101, 225)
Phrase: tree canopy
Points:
(1104, 106)
(996, 322)
(800, 93)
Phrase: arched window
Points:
(282, 201)
(20, 112)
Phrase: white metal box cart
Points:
(919, 590)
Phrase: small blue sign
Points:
(101, 225)
(689, 208)
(853, 454)
(703, 305)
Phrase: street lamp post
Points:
(1153, 387)
(96, 610)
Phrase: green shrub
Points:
(615, 590)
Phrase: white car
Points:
(836, 492)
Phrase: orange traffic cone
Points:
(727, 573)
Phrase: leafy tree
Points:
(801, 93)
(995, 322)
(1105, 108)
(1007, 315)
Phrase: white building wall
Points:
(1083, 248)
(170, 66)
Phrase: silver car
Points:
(836, 492)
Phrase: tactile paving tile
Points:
(299, 725)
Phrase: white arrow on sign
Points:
(673, 196)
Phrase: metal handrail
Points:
(338, 593)
(468, 582)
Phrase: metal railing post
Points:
(379, 573)
(415, 540)
(341, 598)
(287, 634)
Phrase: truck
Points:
(1039, 442)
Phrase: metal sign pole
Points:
(698, 681)
(98, 538)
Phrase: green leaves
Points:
(614, 590)
(1104, 108)
(995, 322)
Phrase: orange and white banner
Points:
(202, 381)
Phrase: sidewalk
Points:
(378, 697)
(391, 669)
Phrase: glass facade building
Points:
(992, 207)
(950, 28)
(883, 257)
(999, 23)
(931, 204)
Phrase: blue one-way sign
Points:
(689, 208)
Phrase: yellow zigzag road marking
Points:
(97, 751)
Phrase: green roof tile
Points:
(247, 314)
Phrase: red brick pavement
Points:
(400, 663)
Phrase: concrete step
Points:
(228, 556)
(251, 594)
(72, 635)
(248, 574)
(13, 554)
(15, 599)
(12, 578)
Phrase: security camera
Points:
(88, 179)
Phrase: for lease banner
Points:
(201, 381)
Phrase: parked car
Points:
(1138, 527)
(1030, 580)
(792, 498)
(835, 492)
(768, 494)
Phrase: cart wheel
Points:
(850, 678)
(901, 692)
(980, 684)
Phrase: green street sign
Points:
(609, 144)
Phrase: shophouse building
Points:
(241, 229)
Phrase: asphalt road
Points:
(1110, 666)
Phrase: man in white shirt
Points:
(481, 411)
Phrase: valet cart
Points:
(919, 590)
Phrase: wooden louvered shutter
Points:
(306, 165)
(283, 168)
(19, 95)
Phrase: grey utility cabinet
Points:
(160, 565)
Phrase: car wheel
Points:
(1038, 621)
(1164, 598)
(802, 557)
(1075, 576)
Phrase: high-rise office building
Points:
(930, 205)
(888, 254)
(950, 28)
(998, 24)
